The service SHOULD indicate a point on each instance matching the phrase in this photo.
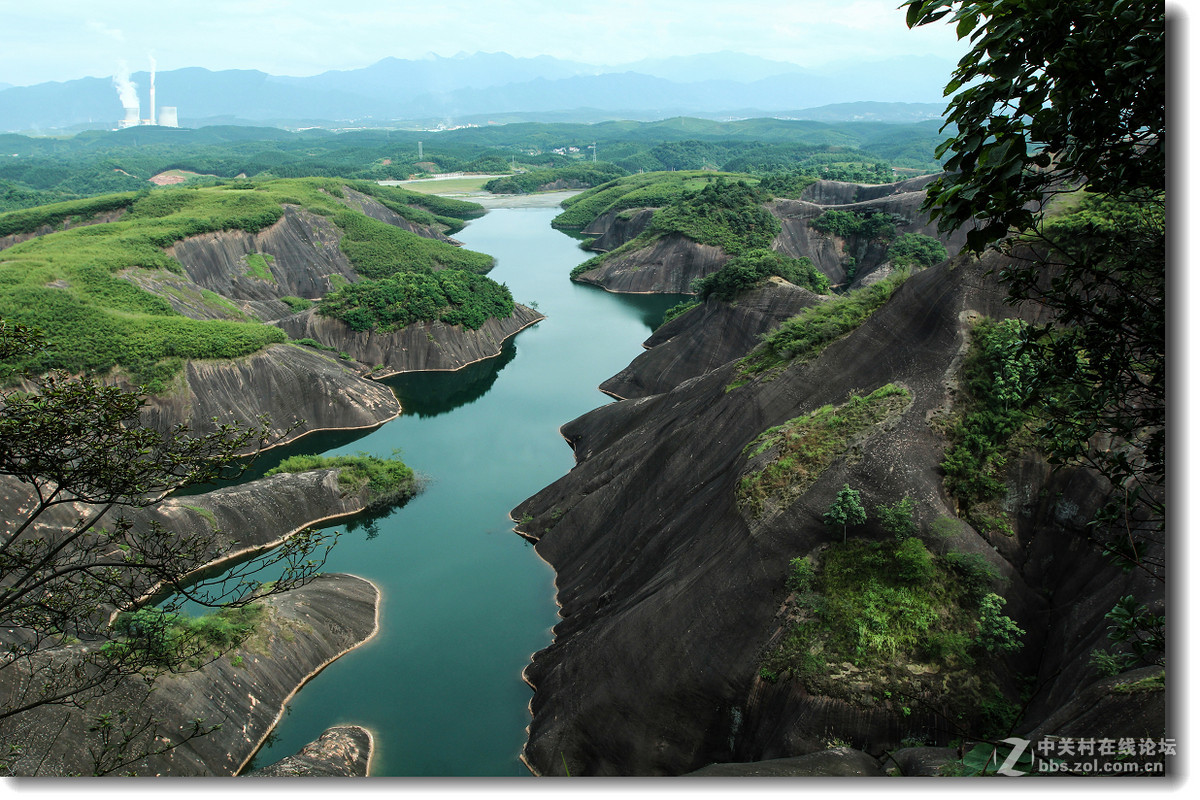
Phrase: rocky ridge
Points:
(669, 591)
(671, 263)
(419, 346)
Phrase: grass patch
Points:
(1151, 683)
(805, 335)
(165, 639)
(297, 304)
(802, 448)
(258, 266)
(31, 219)
(206, 513)
(388, 481)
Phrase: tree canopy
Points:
(1052, 95)
(1059, 159)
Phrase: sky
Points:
(67, 39)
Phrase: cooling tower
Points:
(168, 116)
(132, 117)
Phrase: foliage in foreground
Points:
(80, 445)
(1054, 98)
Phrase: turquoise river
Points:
(466, 601)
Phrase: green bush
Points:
(388, 481)
(451, 296)
(977, 575)
(725, 214)
(677, 310)
(749, 270)
(917, 251)
(997, 632)
(914, 564)
(802, 574)
(865, 224)
(899, 518)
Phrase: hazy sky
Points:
(65, 39)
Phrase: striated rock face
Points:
(343, 751)
(285, 382)
(672, 263)
(829, 252)
(419, 346)
(304, 246)
(706, 338)
(669, 265)
(258, 515)
(615, 228)
(245, 691)
(669, 592)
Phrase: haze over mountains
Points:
(497, 87)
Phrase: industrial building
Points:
(167, 116)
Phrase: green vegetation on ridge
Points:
(809, 332)
(71, 283)
(747, 271)
(803, 447)
(451, 296)
(387, 481)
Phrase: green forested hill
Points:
(36, 170)
(71, 284)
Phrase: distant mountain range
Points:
(483, 86)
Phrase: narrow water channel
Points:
(465, 600)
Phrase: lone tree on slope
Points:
(847, 510)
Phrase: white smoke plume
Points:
(126, 88)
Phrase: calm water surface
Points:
(465, 600)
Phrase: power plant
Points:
(127, 90)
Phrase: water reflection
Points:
(428, 394)
(315, 442)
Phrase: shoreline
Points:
(314, 673)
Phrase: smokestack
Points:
(152, 65)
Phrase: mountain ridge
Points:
(394, 90)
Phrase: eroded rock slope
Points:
(670, 591)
